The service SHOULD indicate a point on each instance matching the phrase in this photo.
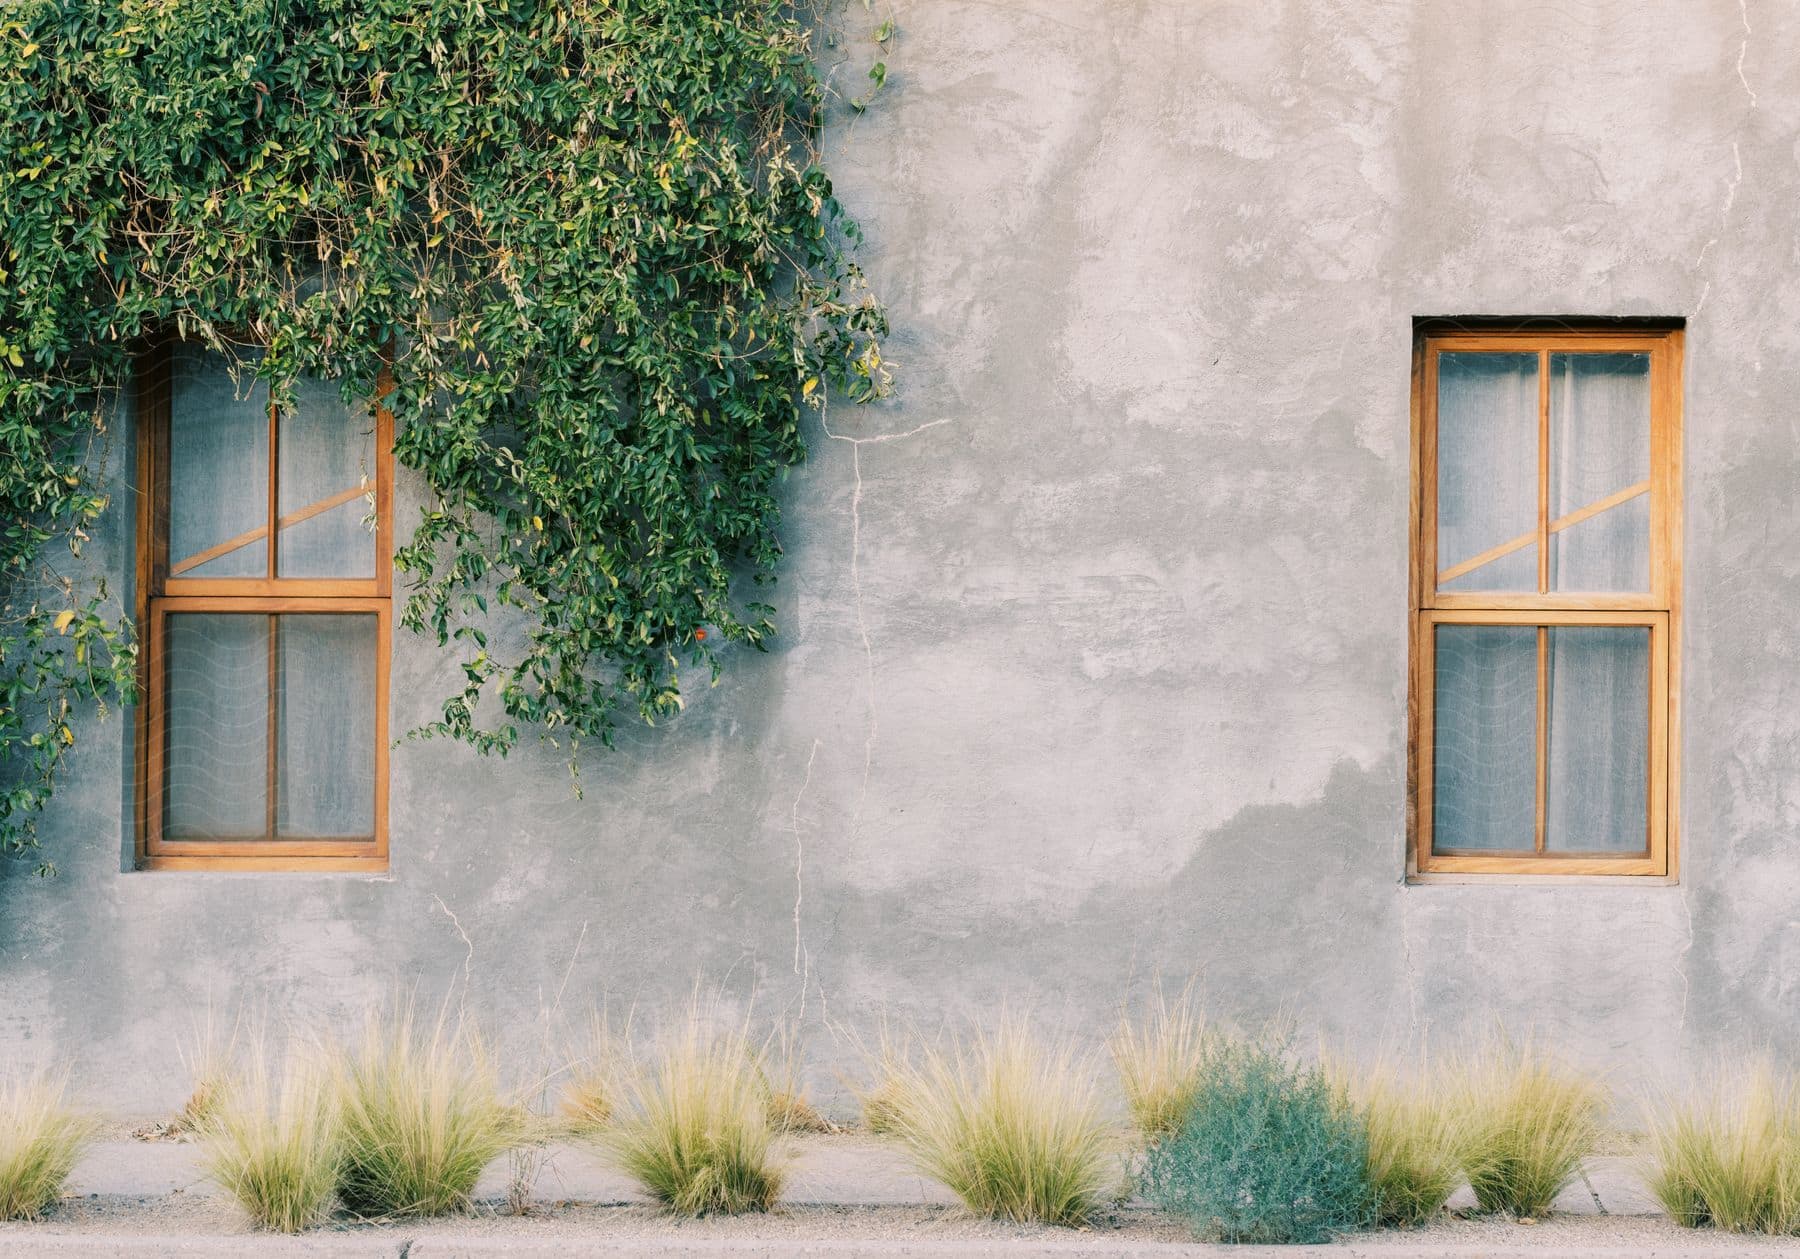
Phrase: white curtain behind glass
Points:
(1600, 447)
(1484, 716)
(1487, 435)
(218, 462)
(327, 449)
(1598, 743)
(325, 742)
(217, 729)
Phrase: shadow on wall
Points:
(1283, 911)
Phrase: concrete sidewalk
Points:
(842, 1170)
(848, 1197)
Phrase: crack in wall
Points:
(1744, 51)
(1737, 159)
(802, 960)
(802, 957)
(468, 958)
(862, 623)
(1731, 191)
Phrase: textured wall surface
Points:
(1093, 664)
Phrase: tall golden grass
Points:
(690, 1122)
(41, 1140)
(421, 1115)
(1159, 1061)
(1415, 1137)
(1728, 1155)
(1011, 1123)
(1529, 1121)
(273, 1142)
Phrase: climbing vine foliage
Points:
(589, 240)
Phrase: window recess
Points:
(264, 590)
(1546, 594)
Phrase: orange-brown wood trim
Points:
(1667, 516)
(1651, 861)
(258, 846)
(160, 593)
(1548, 617)
(384, 480)
(266, 588)
(246, 865)
(253, 849)
(1550, 602)
(1658, 608)
(152, 409)
(1426, 527)
(1527, 342)
(1416, 594)
(1544, 865)
(277, 603)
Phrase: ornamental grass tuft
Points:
(784, 1091)
(881, 1090)
(1414, 1139)
(41, 1139)
(587, 1098)
(1729, 1156)
(422, 1117)
(790, 1111)
(1013, 1125)
(1529, 1122)
(1159, 1062)
(880, 1104)
(207, 1058)
(691, 1124)
(1266, 1153)
(273, 1144)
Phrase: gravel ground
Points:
(179, 1215)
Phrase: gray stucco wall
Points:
(1094, 650)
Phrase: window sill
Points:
(1547, 879)
(288, 865)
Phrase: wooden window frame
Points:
(161, 593)
(1659, 609)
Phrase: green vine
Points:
(591, 239)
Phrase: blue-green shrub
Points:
(1264, 1154)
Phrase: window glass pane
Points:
(327, 475)
(1600, 449)
(216, 727)
(1487, 436)
(1598, 769)
(1484, 753)
(218, 466)
(325, 741)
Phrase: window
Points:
(264, 543)
(1546, 596)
